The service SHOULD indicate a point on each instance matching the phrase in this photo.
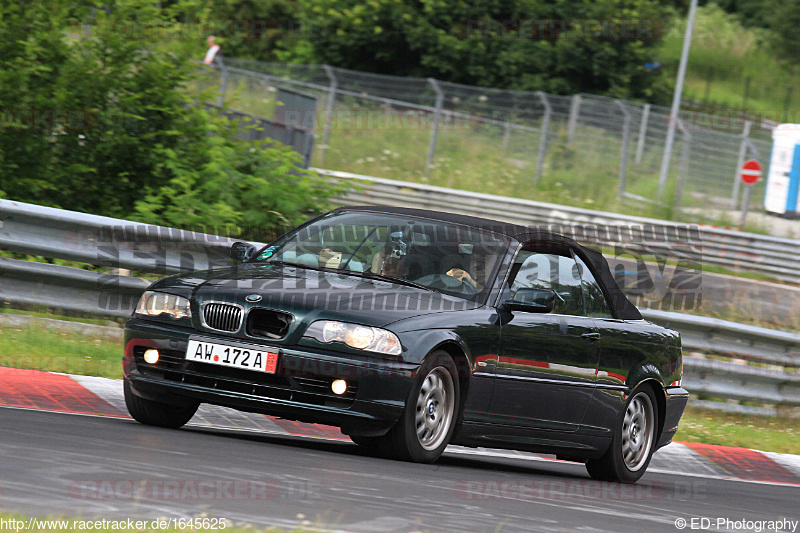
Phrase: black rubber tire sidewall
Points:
(611, 466)
(153, 413)
(365, 442)
(401, 442)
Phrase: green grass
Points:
(70, 352)
(478, 157)
(743, 310)
(771, 434)
(473, 156)
(44, 313)
(748, 314)
(734, 53)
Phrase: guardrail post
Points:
(437, 115)
(685, 154)
(574, 111)
(326, 134)
(739, 162)
(548, 111)
(642, 133)
(223, 84)
(623, 156)
(506, 136)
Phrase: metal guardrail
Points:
(97, 240)
(722, 359)
(760, 365)
(738, 251)
(69, 289)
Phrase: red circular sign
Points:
(750, 172)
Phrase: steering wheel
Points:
(447, 283)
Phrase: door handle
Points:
(591, 336)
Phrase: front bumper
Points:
(299, 389)
(676, 400)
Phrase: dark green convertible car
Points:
(411, 330)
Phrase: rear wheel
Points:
(427, 423)
(633, 443)
(154, 413)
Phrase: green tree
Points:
(564, 47)
(33, 54)
(99, 122)
(751, 13)
(783, 18)
(254, 29)
(255, 189)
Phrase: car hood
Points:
(311, 294)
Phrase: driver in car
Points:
(462, 275)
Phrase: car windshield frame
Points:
(442, 236)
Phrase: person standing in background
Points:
(213, 50)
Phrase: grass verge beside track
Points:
(59, 351)
(765, 433)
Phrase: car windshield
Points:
(449, 258)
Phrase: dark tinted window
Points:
(535, 270)
(594, 299)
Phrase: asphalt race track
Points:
(112, 467)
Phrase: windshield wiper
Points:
(366, 274)
(301, 265)
(383, 277)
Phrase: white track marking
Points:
(212, 416)
(786, 460)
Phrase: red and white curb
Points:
(88, 395)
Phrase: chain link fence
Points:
(507, 142)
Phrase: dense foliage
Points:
(564, 47)
(780, 17)
(109, 121)
(254, 29)
(481, 43)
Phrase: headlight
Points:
(356, 336)
(160, 303)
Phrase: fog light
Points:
(151, 356)
(339, 386)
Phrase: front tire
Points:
(366, 442)
(427, 423)
(633, 443)
(153, 413)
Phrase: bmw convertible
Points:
(411, 330)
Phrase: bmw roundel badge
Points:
(253, 297)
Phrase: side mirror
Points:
(242, 251)
(532, 301)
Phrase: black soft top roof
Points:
(504, 228)
(621, 307)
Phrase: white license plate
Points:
(232, 356)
